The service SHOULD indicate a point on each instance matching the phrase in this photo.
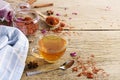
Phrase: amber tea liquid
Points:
(52, 47)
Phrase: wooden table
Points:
(96, 30)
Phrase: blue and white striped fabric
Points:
(13, 52)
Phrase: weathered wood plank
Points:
(85, 16)
(103, 44)
(91, 14)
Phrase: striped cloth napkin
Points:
(13, 52)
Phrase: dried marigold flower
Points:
(88, 67)
(89, 75)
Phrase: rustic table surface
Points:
(95, 30)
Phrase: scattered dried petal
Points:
(74, 69)
(70, 18)
(87, 68)
(74, 13)
(95, 70)
(73, 54)
(89, 75)
(57, 14)
(62, 24)
(65, 8)
(43, 31)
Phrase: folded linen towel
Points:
(13, 52)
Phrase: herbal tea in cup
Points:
(51, 47)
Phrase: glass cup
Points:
(51, 47)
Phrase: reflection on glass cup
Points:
(51, 47)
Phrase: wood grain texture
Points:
(96, 30)
(91, 14)
(104, 45)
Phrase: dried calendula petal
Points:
(86, 67)
(89, 75)
(74, 69)
(62, 24)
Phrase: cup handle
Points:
(35, 53)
